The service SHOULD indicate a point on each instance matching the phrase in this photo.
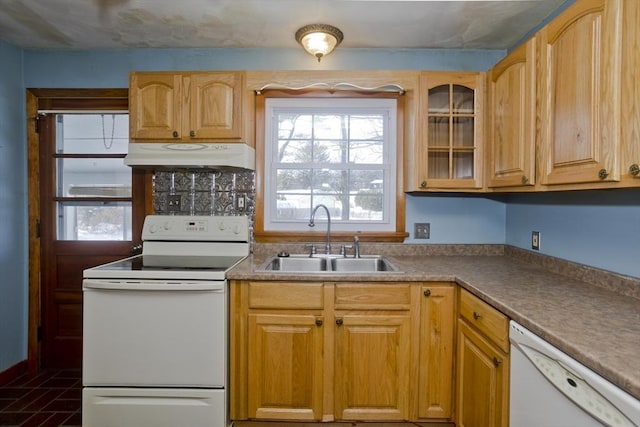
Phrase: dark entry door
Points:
(92, 208)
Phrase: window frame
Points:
(268, 236)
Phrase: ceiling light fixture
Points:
(319, 39)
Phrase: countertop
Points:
(596, 324)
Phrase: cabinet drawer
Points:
(282, 295)
(370, 296)
(485, 318)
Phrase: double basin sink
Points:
(328, 264)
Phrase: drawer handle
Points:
(192, 134)
(339, 322)
(524, 180)
(423, 184)
(175, 134)
(496, 362)
(318, 322)
(634, 169)
(427, 292)
(476, 315)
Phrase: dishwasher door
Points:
(550, 389)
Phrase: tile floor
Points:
(48, 399)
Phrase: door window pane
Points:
(90, 174)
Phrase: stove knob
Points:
(221, 226)
(153, 228)
(236, 229)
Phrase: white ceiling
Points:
(390, 24)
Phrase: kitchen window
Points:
(341, 152)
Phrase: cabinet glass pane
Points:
(438, 132)
(438, 164)
(463, 165)
(439, 100)
(463, 132)
(462, 100)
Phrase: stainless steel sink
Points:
(296, 263)
(328, 264)
(364, 264)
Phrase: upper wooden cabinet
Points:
(579, 94)
(512, 119)
(449, 132)
(630, 96)
(183, 107)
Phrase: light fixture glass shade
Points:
(319, 39)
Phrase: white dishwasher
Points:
(550, 389)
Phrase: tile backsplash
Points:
(185, 192)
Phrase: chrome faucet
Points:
(327, 246)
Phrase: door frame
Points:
(34, 100)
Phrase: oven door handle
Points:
(217, 286)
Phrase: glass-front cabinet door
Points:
(449, 149)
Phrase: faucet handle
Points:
(356, 247)
(312, 248)
(343, 249)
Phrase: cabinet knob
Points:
(427, 292)
(192, 133)
(175, 134)
(524, 180)
(603, 174)
(339, 322)
(634, 169)
(476, 315)
(423, 184)
(318, 322)
(496, 362)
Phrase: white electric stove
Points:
(155, 326)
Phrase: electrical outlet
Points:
(421, 230)
(242, 202)
(174, 203)
(535, 240)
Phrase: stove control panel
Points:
(196, 228)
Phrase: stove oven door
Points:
(154, 333)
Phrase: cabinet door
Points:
(579, 93)
(483, 381)
(285, 366)
(435, 369)
(214, 106)
(451, 123)
(630, 109)
(372, 367)
(512, 130)
(154, 106)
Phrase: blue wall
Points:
(598, 228)
(13, 210)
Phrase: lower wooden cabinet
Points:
(436, 346)
(310, 351)
(285, 373)
(482, 390)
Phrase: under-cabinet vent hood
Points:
(191, 155)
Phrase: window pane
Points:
(293, 151)
(369, 152)
(329, 181)
(366, 195)
(92, 134)
(93, 221)
(330, 126)
(439, 100)
(293, 179)
(438, 131)
(93, 178)
(329, 152)
(462, 100)
(293, 125)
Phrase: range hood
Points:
(190, 155)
